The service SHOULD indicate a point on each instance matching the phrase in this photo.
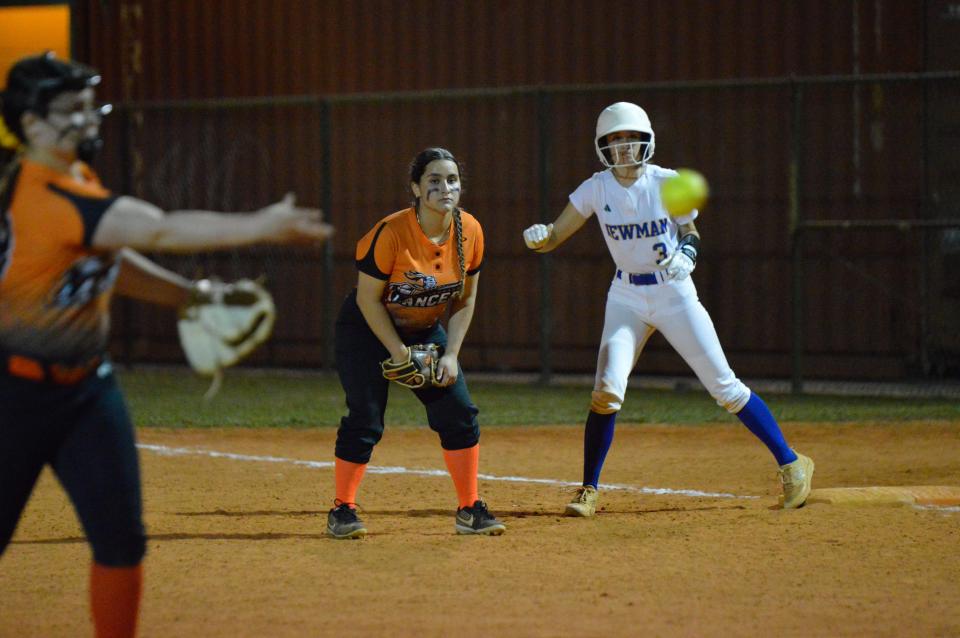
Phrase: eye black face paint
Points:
(440, 187)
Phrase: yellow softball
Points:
(684, 192)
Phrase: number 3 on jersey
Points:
(661, 249)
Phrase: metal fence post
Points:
(546, 262)
(926, 212)
(796, 241)
(326, 204)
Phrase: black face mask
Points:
(88, 148)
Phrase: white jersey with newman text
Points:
(638, 230)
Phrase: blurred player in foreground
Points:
(413, 264)
(652, 290)
(65, 246)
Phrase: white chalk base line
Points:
(164, 450)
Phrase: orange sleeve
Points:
(476, 259)
(377, 251)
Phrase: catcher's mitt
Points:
(223, 323)
(418, 371)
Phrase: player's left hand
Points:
(223, 323)
(677, 266)
(448, 369)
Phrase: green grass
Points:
(174, 398)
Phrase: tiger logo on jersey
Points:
(420, 291)
(421, 278)
(86, 280)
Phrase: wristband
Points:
(690, 246)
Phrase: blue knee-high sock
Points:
(597, 437)
(756, 416)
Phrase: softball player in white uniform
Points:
(651, 290)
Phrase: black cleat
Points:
(342, 522)
(476, 519)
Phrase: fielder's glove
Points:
(418, 371)
(223, 323)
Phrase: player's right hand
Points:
(677, 266)
(537, 236)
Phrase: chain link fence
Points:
(831, 240)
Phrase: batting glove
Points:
(677, 266)
(537, 236)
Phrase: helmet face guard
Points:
(625, 152)
(624, 116)
(34, 81)
(89, 146)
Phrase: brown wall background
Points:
(240, 48)
(869, 151)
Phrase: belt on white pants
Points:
(641, 278)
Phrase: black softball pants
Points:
(450, 411)
(84, 433)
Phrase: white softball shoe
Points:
(584, 503)
(797, 479)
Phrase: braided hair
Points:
(458, 227)
(417, 168)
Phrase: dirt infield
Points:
(237, 544)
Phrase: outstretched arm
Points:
(543, 239)
(137, 224)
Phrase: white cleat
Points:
(797, 478)
(585, 503)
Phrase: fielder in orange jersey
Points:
(65, 247)
(414, 265)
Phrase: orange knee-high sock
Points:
(463, 466)
(348, 476)
(115, 600)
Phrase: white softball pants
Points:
(633, 313)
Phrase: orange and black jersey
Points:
(421, 276)
(54, 289)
